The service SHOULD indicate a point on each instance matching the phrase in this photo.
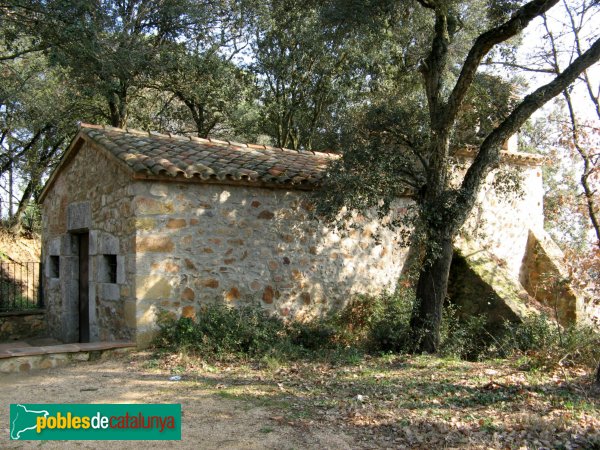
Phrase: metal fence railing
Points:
(20, 288)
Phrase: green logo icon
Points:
(95, 422)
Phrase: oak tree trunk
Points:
(432, 288)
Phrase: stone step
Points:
(23, 358)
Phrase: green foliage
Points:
(390, 330)
(508, 182)
(499, 11)
(376, 324)
(489, 101)
(305, 73)
(466, 339)
(31, 220)
(356, 320)
(534, 334)
(313, 335)
(220, 330)
(547, 345)
(365, 323)
(211, 90)
(38, 113)
(540, 340)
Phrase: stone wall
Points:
(22, 325)
(544, 277)
(500, 222)
(180, 245)
(32, 362)
(92, 195)
(201, 243)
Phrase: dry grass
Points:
(384, 402)
(416, 402)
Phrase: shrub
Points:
(389, 327)
(220, 330)
(534, 333)
(376, 324)
(356, 319)
(177, 334)
(314, 335)
(465, 338)
(549, 345)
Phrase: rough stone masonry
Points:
(174, 223)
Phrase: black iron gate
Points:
(20, 287)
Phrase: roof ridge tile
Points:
(152, 133)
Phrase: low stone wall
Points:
(17, 326)
(28, 363)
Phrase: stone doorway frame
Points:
(79, 220)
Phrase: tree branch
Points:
(433, 66)
(489, 150)
(412, 147)
(11, 158)
(575, 29)
(519, 66)
(39, 48)
(484, 43)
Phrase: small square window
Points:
(109, 269)
(54, 266)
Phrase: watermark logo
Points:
(95, 422)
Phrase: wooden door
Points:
(84, 277)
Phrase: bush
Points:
(314, 335)
(355, 321)
(548, 345)
(534, 333)
(466, 339)
(390, 327)
(376, 324)
(540, 339)
(220, 330)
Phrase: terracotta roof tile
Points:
(530, 159)
(178, 156)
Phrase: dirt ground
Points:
(209, 421)
(366, 402)
(19, 249)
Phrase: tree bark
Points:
(443, 209)
(118, 105)
(431, 292)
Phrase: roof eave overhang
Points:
(226, 182)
